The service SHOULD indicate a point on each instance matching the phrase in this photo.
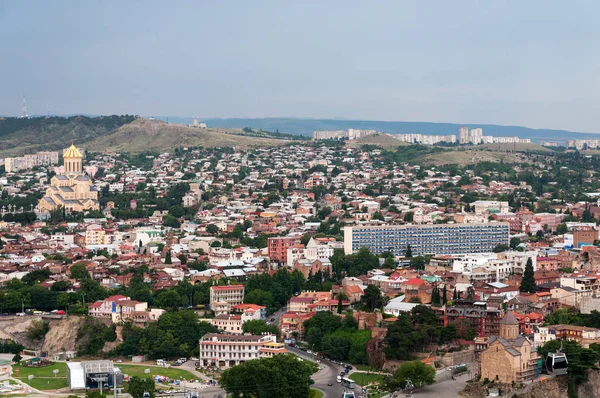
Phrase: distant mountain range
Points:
(307, 126)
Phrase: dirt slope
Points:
(155, 135)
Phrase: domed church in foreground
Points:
(72, 190)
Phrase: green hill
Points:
(20, 136)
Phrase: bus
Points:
(348, 383)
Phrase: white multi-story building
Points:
(223, 297)
(226, 350)
(463, 134)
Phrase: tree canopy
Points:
(280, 376)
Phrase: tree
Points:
(415, 371)
(340, 307)
(514, 243)
(79, 271)
(212, 229)
(409, 216)
(168, 259)
(279, 376)
(501, 248)
(418, 263)
(408, 253)
(17, 358)
(170, 221)
(562, 229)
(528, 281)
(258, 327)
(444, 295)
(372, 298)
(138, 386)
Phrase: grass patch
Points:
(138, 370)
(363, 379)
(43, 377)
(315, 393)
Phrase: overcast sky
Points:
(531, 63)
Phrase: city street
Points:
(326, 375)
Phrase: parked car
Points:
(339, 379)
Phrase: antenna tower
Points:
(24, 109)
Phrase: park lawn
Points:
(362, 379)
(315, 393)
(43, 378)
(138, 370)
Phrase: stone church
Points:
(509, 357)
(72, 190)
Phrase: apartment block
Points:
(435, 239)
(278, 247)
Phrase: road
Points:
(327, 374)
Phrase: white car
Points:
(20, 314)
(339, 379)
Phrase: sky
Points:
(533, 63)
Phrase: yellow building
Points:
(509, 357)
(72, 190)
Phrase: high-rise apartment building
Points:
(463, 135)
(427, 239)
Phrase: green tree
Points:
(528, 281)
(212, 229)
(137, 386)
(562, 228)
(514, 243)
(280, 376)
(258, 327)
(36, 276)
(415, 371)
(501, 248)
(78, 271)
(408, 253)
(372, 298)
(168, 259)
(418, 263)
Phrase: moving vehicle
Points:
(339, 379)
(348, 383)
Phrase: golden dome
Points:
(72, 152)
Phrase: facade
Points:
(30, 161)
(72, 190)
(228, 323)
(226, 350)
(122, 309)
(427, 239)
(222, 298)
(278, 247)
(509, 357)
(484, 321)
(490, 206)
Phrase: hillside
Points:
(20, 136)
(155, 135)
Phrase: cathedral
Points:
(509, 357)
(72, 190)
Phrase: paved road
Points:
(326, 375)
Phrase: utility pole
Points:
(83, 299)
(23, 305)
